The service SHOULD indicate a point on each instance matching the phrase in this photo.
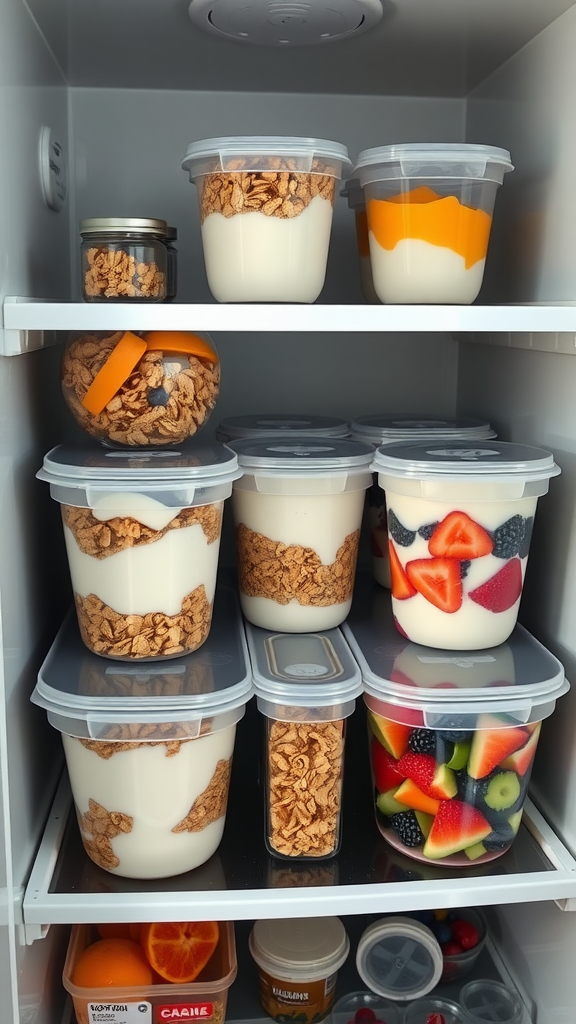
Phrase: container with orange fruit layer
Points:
(113, 972)
(126, 389)
(429, 209)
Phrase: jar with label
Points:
(123, 259)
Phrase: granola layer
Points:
(275, 193)
(101, 539)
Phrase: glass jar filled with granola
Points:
(172, 263)
(123, 259)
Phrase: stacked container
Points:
(290, 425)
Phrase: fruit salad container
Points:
(298, 512)
(149, 750)
(460, 518)
(142, 536)
(266, 205)
(429, 209)
(380, 429)
(434, 1010)
(130, 390)
(354, 193)
(462, 936)
(153, 1000)
(306, 687)
(452, 736)
(289, 425)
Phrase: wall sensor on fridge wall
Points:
(285, 22)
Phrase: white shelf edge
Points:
(38, 316)
(42, 907)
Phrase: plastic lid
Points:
(379, 428)
(433, 160)
(280, 425)
(399, 958)
(303, 669)
(487, 1000)
(462, 461)
(305, 949)
(82, 690)
(309, 155)
(147, 225)
(514, 677)
(352, 191)
(305, 456)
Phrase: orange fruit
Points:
(119, 931)
(112, 963)
(180, 341)
(180, 950)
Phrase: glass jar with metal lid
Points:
(172, 265)
(123, 259)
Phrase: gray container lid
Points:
(76, 465)
(379, 428)
(431, 160)
(399, 958)
(281, 425)
(214, 155)
(307, 455)
(460, 459)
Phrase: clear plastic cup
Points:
(487, 1000)
(429, 208)
(266, 205)
(434, 1011)
(354, 193)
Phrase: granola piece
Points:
(211, 804)
(102, 539)
(113, 273)
(279, 192)
(98, 827)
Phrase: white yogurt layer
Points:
(157, 792)
(417, 271)
(292, 617)
(472, 627)
(254, 258)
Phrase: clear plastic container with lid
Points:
(487, 1000)
(429, 209)
(399, 958)
(354, 193)
(266, 205)
(452, 735)
(149, 747)
(460, 518)
(123, 259)
(306, 687)
(142, 535)
(290, 425)
(298, 512)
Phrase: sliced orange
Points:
(179, 951)
(180, 341)
(111, 376)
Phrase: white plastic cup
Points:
(266, 205)
(429, 208)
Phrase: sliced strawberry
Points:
(458, 536)
(420, 768)
(401, 587)
(501, 591)
(438, 580)
(385, 768)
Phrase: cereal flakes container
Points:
(124, 259)
(298, 513)
(149, 752)
(127, 389)
(306, 687)
(142, 534)
(266, 205)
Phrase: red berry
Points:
(465, 933)
(364, 1015)
(451, 948)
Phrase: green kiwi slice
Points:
(502, 791)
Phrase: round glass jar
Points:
(123, 258)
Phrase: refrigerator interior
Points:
(125, 88)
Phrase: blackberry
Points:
(426, 531)
(422, 741)
(525, 545)
(509, 538)
(453, 728)
(405, 825)
(399, 533)
(464, 567)
(158, 396)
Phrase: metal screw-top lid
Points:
(135, 225)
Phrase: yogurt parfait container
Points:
(290, 425)
(354, 193)
(306, 687)
(429, 209)
(452, 735)
(460, 518)
(298, 513)
(380, 429)
(142, 535)
(149, 747)
(266, 205)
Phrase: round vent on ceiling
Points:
(285, 22)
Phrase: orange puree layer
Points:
(425, 215)
(362, 232)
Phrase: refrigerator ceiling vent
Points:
(285, 22)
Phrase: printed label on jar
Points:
(305, 1002)
(120, 1013)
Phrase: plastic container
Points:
(365, 1008)
(123, 259)
(399, 958)
(298, 962)
(266, 206)
(380, 429)
(460, 520)
(205, 998)
(149, 749)
(306, 686)
(354, 193)
(142, 536)
(434, 1011)
(452, 738)
(298, 513)
(290, 425)
(488, 1000)
(127, 389)
(429, 209)
(459, 965)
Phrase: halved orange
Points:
(178, 951)
(180, 341)
(112, 374)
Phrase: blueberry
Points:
(464, 567)
(399, 533)
(442, 931)
(158, 396)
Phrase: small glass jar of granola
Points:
(123, 259)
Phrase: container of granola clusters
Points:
(131, 389)
(124, 259)
(266, 206)
(149, 747)
(306, 687)
(142, 534)
(298, 512)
